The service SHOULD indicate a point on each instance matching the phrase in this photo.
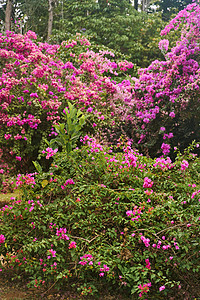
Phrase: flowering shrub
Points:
(37, 81)
(121, 220)
(167, 92)
(156, 110)
(101, 216)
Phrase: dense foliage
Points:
(103, 219)
(159, 110)
(115, 24)
(169, 7)
(167, 92)
(37, 80)
(95, 213)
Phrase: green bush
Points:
(107, 219)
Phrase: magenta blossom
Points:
(165, 148)
(163, 45)
(72, 245)
(162, 288)
(2, 239)
(184, 165)
(148, 183)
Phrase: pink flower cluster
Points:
(72, 245)
(27, 179)
(61, 233)
(52, 252)
(173, 82)
(68, 182)
(163, 163)
(148, 264)
(50, 152)
(7, 136)
(163, 45)
(146, 241)
(32, 64)
(2, 239)
(159, 244)
(184, 165)
(144, 288)
(165, 148)
(194, 194)
(136, 212)
(103, 270)
(148, 183)
(87, 258)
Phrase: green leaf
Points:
(37, 166)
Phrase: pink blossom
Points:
(163, 45)
(2, 239)
(69, 181)
(148, 183)
(72, 245)
(53, 253)
(184, 165)
(7, 136)
(165, 148)
(172, 114)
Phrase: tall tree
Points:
(145, 4)
(113, 23)
(50, 19)
(169, 7)
(8, 13)
(31, 14)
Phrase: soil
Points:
(17, 291)
(14, 292)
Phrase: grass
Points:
(6, 197)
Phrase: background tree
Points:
(36, 13)
(136, 4)
(145, 4)
(114, 24)
(169, 7)
(27, 15)
(50, 19)
(8, 13)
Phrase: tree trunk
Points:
(50, 20)
(145, 4)
(8, 15)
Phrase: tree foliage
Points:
(116, 25)
(169, 7)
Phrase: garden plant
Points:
(107, 165)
